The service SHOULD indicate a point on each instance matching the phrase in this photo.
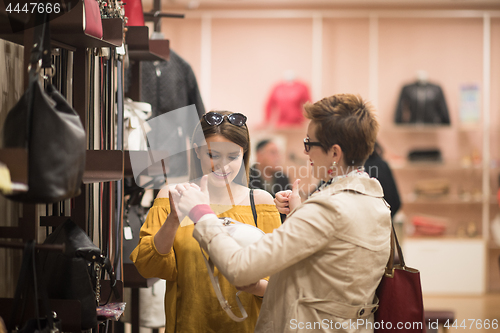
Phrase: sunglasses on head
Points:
(215, 119)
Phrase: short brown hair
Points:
(348, 121)
(236, 134)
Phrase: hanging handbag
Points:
(400, 296)
(28, 276)
(68, 273)
(44, 123)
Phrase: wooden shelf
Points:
(141, 48)
(67, 30)
(412, 199)
(112, 31)
(427, 128)
(16, 160)
(434, 166)
(103, 166)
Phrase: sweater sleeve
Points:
(148, 261)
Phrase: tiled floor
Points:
(471, 308)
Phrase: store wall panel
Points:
(494, 245)
(345, 56)
(185, 40)
(450, 50)
(495, 95)
(249, 56)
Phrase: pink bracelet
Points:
(198, 211)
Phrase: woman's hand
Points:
(258, 288)
(190, 196)
(174, 195)
(288, 200)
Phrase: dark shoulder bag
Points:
(44, 123)
(69, 275)
(30, 285)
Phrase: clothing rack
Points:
(149, 16)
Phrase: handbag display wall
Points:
(44, 123)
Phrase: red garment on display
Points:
(285, 103)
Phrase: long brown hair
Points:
(236, 134)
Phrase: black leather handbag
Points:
(44, 123)
(30, 285)
(69, 275)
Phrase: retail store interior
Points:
(431, 69)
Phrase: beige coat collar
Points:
(367, 186)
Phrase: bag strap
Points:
(223, 302)
(389, 269)
(252, 204)
(41, 41)
(40, 58)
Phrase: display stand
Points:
(104, 163)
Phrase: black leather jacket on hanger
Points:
(422, 103)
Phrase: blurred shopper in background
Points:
(378, 168)
(267, 173)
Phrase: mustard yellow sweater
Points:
(190, 301)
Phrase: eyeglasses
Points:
(308, 144)
(215, 119)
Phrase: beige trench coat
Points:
(325, 261)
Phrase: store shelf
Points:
(431, 128)
(417, 128)
(66, 29)
(103, 166)
(434, 166)
(141, 48)
(69, 29)
(112, 31)
(413, 199)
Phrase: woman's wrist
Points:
(198, 211)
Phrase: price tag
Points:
(127, 233)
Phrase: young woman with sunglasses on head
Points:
(168, 250)
(327, 260)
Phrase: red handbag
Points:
(401, 306)
(93, 23)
